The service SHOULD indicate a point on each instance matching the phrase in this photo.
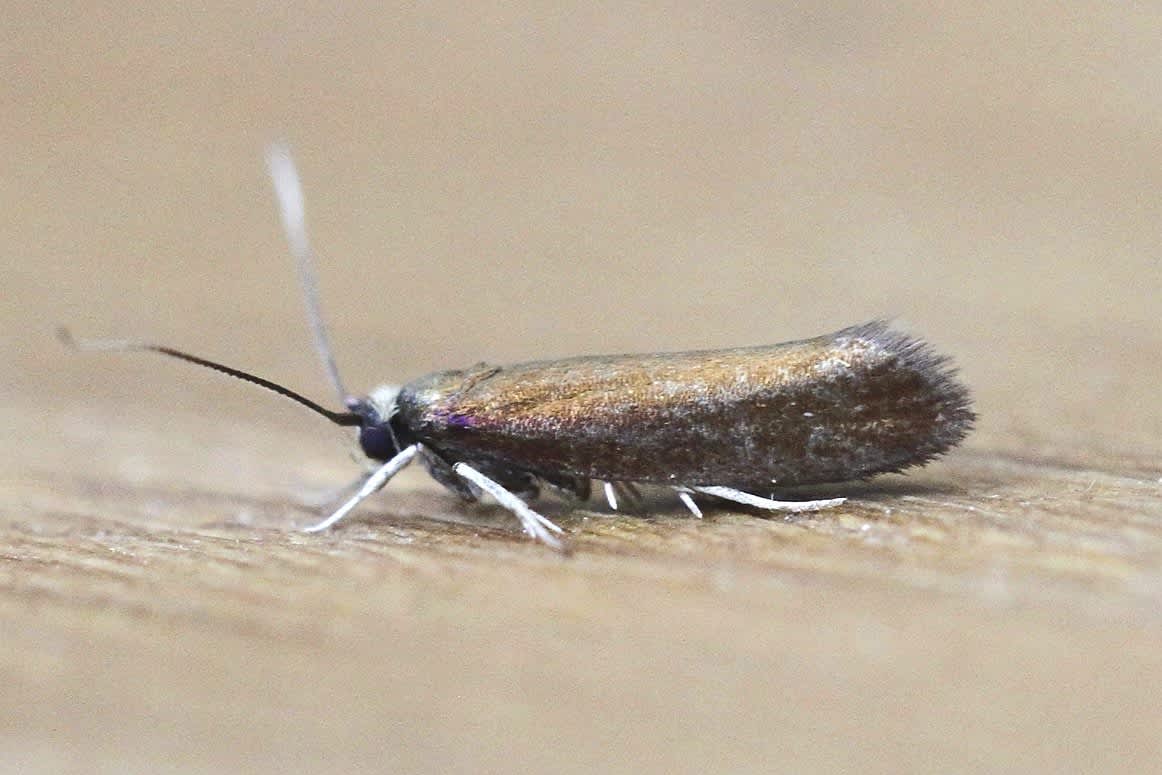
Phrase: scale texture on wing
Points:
(861, 401)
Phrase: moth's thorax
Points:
(425, 402)
(440, 385)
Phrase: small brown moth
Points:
(726, 423)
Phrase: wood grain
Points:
(156, 621)
(660, 180)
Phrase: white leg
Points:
(610, 495)
(684, 496)
(745, 498)
(533, 523)
(336, 495)
(379, 477)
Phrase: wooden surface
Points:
(509, 185)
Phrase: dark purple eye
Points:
(377, 442)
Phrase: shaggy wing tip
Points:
(957, 417)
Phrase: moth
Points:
(736, 424)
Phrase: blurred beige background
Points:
(515, 181)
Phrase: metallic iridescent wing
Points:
(862, 401)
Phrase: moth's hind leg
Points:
(746, 499)
(533, 523)
(687, 501)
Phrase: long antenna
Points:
(128, 345)
(291, 207)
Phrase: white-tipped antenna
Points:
(289, 191)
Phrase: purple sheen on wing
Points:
(462, 420)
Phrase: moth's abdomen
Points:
(862, 401)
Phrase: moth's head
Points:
(381, 432)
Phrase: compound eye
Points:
(377, 442)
